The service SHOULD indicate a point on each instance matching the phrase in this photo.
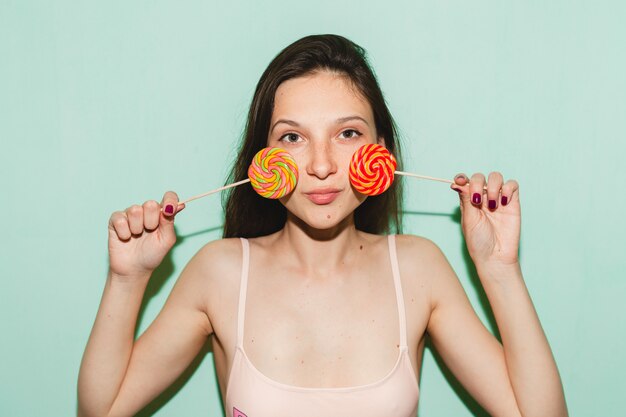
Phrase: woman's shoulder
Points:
(212, 278)
(419, 254)
(223, 246)
(220, 254)
(217, 264)
(412, 243)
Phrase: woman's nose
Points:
(321, 161)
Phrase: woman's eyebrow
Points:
(347, 119)
(286, 121)
(338, 121)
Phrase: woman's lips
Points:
(322, 197)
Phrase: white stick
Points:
(217, 190)
(408, 174)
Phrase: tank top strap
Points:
(395, 268)
(243, 289)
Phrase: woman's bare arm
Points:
(119, 376)
(518, 377)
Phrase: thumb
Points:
(461, 186)
(170, 208)
(464, 197)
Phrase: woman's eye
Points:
(289, 138)
(351, 133)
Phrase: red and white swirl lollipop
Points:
(373, 167)
(273, 174)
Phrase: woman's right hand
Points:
(141, 236)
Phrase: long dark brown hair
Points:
(250, 215)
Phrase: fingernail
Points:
(505, 200)
(458, 190)
(169, 209)
(492, 204)
(476, 198)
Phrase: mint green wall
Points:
(106, 104)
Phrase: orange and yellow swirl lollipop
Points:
(273, 173)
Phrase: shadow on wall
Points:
(158, 279)
(469, 402)
(163, 398)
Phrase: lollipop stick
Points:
(217, 190)
(408, 174)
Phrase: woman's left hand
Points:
(490, 218)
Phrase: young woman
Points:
(312, 309)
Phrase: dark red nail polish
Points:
(457, 190)
(169, 209)
(504, 200)
(476, 198)
(492, 204)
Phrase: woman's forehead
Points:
(322, 95)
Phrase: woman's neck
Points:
(318, 251)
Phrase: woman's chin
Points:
(321, 220)
(338, 213)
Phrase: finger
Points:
(135, 219)
(119, 224)
(170, 204)
(461, 179)
(477, 185)
(151, 214)
(170, 208)
(459, 184)
(509, 190)
(464, 194)
(457, 188)
(494, 184)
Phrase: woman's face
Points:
(321, 120)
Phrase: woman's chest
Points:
(317, 334)
(344, 331)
